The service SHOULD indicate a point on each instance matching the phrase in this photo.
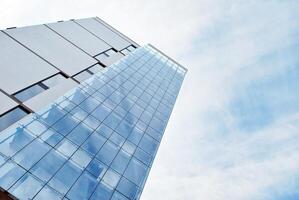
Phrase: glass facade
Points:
(99, 140)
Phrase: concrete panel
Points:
(53, 48)
(104, 33)
(80, 37)
(112, 59)
(6, 103)
(48, 96)
(19, 67)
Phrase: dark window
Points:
(30, 92)
(11, 117)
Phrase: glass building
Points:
(85, 121)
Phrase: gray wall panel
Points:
(80, 37)
(6, 103)
(19, 67)
(104, 33)
(53, 48)
(48, 96)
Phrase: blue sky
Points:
(234, 132)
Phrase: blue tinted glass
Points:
(143, 156)
(79, 113)
(107, 153)
(79, 134)
(92, 122)
(135, 136)
(66, 147)
(65, 125)
(51, 137)
(27, 187)
(111, 177)
(11, 117)
(102, 192)
(127, 188)
(15, 142)
(118, 196)
(120, 162)
(36, 127)
(136, 172)
(94, 143)
(112, 120)
(104, 130)
(89, 104)
(97, 168)
(65, 177)
(148, 144)
(31, 154)
(81, 158)
(48, 165)
(83, 187)
(52, 115)
(101, 112)
(30, 92)
(9, 174)
(117, 139)
(48, 193)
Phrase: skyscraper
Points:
(83, 111)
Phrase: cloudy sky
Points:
(234, 132)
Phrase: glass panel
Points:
(107, 153)
(11, 117)
(97, 168)
(94, 143)
(65, 125)
(27, 187)
(102, 192)
(111, 178)
(136, 172)
(143, 156)
(29, 92)
(83, 187)
(36, 127)
(48, 193)
(9, 174)
(15, 142)
(31, 154)
(51, 137)
(81, 158)
(65, 177)
(128, 188)
(148, 144)
(48, 165)
(66, 147)
(121, 161)
(79, 134)
(118, 196)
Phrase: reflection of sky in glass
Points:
(97, 137)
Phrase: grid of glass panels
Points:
(98, 141)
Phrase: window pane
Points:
(15, 142)
(31, 154)
(48, 193)
(136, 172)
(102, 192)
(11, 117)
(9, 174)
(94, 143)
(97, 168)
(65, 177)
(120, 162)
(29, 92)
(79, 134)
(111, 178)
(48, 165)
(107, 153)
(27, 187)
(128, 188)
(83, 187)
